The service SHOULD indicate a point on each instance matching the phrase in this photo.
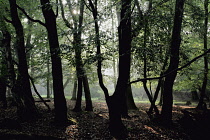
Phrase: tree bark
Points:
(3, 100)
(48, 78)
(78, 107)
(77, 44)
(5, 43)
(117, 100)
(89, 106)
(205, 42)
(59, 98)
(166, 112)
(130, 101)
(22, 86)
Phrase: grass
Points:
(136, 100)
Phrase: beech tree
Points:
(201, 104)
(174, 62)
(116, 102)
(59, 98)
(4, 43)
(22, 89)
(82, 78)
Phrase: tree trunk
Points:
(66, 83)
(3, 100)
(174, 62)
(78, 107)
(117, 100)
(59, 98)
(89, 106)
(22, 86)
(48, 78)
(205, 41)
(74, 92)
(5, 44)
(194, 95)
(130, 101)
(77, 44)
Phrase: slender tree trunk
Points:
(48, 78)
(174, 62)
(98, 47)
(28, 44)
(78, 107)
(3, 100)
(114, 70)
(89, 106)
(74, 92)
(59, 98)
(114, 61)
(66, 83)
(158, 89)
(205, 41)
(22, 87)
(5, 43)
(77, 43)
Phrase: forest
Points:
(104, 69)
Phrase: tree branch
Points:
(28, 17)
(63, 16)
(178, 69)
(48, 107)
(7, 20)
(88, 6)
(56, 15)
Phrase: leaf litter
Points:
(93, 125)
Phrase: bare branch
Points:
(28, 17)
(88, 6)
(63, 16)
(178, 69)
(7, 20)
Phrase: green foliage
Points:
(153, 48)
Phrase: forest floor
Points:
(94, 125)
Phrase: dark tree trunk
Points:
(29, 45)
(159, 88)
(48, 78)
(194, 95)
(3, 100)
(59, 98)
(116, 102)
(22, 86)
(78, 107)
(161, 93)
(130, 101)
(174, 62)
(98, 47)
(205, 41)
(5, 44)
(89, 106)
